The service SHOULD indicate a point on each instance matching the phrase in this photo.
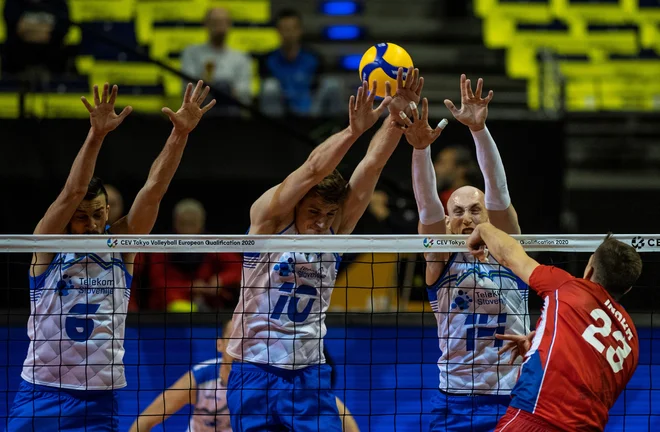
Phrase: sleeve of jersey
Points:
(206, 372)
(546, 279)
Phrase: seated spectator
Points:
(292, 76)
(185, 282)
(455, 167)
(220, 66)
(34, 48)
(116, 203)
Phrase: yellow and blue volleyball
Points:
(381, 62)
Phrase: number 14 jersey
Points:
(473, 301)
(280, 316)
(584, 353)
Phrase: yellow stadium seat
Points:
(3, 30)
(101, 10)
(127, 73)
(172, 82)
(581, 95)
(148, 12)
(74, 36)
(528, 12)
(167, 40)
(254, 11)
(257, 40)
(622, 12)
(53, 105)
(148, 104)
(9, 105)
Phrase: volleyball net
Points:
(169, 306)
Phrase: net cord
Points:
(304, 243)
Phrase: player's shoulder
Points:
(546, 273)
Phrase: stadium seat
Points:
(525, 10)
(9, 105)
(255, 40)
(101, 10)
(596, 11)
(249, 11)
(125, 73)
(149, 12)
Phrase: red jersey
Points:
(583, 354)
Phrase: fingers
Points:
(203, 96)
(514, 355)
(351, 108)
(124, 113)
(168, 111)
(399, 79)
(208, 107)
(425, 110)
(358, 98)
(188, 93)
(198, 89)
(411, 79)
(113, 95)
(415, 112)
(420, 86)
(405, 119)
(97, 99)
(372, 95)
(489, 97)
(506, 347)
(365, 92)
(510, 337)
(438, 130)
(388, 89)
(468, 86)
(89, 107)
(384, 104)
(450, 106)
(464, 95)
(104, 98)
(480, 87)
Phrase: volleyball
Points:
(381, 62)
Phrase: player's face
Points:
(315, 216)
(466, 210)
(290, 30)
(90, 217)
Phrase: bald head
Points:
(467, 209)
(218, 22)
(116, 203)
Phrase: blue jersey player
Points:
(279, 380)
(472, 301)
(79, 300)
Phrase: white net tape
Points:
(304, 243)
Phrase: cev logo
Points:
(427, 242)
(112, 243)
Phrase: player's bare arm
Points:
(363, 181)
(473, 114)
(421, 135)
(506, 250)
(103, 120)
(275, 207)
(183, 392)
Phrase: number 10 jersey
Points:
(472, 302)
(76, 325)
(280, 316)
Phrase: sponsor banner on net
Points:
(642, 243)
(545, 242)
(176, 243)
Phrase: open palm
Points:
(418, 132)
(191, 111)
(102, 115)
(406, 92)
(474, 108)
(361, 110)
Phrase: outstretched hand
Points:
(102, 115)
(361, 110)
(407, 92)
(474, 108)
(418, 132)
(191, 111)
(518, 345)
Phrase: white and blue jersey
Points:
(472, 302)
(210, 412)
(280, 316)
(76, 326)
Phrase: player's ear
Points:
(589, 269)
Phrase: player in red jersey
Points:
(585, 348)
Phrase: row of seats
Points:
(595, 50)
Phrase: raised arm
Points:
(181, 393)
(486, 239)
(431, 211)
(363, 181)
(103, 120)
(473, 114)
(278, 202)
(143, 212)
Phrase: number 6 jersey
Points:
(76, 326)
(280, 316)
(472, 302)
(583, 354)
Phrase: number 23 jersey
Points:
(472, 302)
(280, 316)
(584, 353)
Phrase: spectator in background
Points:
(34, 48)
(215, 63)
(185, 282)
(292, 75)
(116, 203)
(455, 167)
